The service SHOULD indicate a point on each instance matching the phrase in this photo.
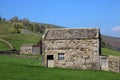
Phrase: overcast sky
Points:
(103, 14)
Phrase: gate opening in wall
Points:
(104, 63)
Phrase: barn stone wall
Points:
(80, 54)
(26, 50)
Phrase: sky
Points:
(103, 14)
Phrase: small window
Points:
(60, 56)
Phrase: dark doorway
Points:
(49, 57)
(50, 61)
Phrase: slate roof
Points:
(64, 33)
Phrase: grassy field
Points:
(25, 68)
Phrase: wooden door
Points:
(50, 63)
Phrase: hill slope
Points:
(112, 42)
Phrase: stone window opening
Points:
(61, 56)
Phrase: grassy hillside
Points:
(14, 68)
(16, 39)
(4, 27)
(19, 39)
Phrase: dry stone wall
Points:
(114, 63)
(110, 63)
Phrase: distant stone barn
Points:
(71, 48)
(30, 49)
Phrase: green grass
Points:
(17, 68)
(106, 51)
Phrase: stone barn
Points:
(26, 49)
(71, 48)
(30, 49)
